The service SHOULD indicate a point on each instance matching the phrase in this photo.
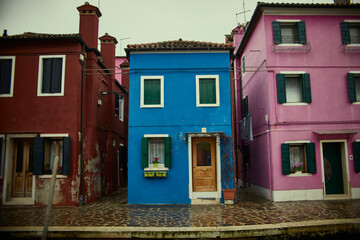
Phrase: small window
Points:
(354, 87)
(51, 75)
(119, 106)
(207, 91)
(289, 32)
(156, 149)
(6, 76)
(350, 32)
(243, 70)
(152, 91)
(298, 157)
(293, 88)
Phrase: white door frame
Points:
(9, 153)
(205, 195)
(345, 168)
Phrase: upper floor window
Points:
(6, 76)
(119, 106)
(152, 91)
(289, 32)
(350, 31)
(51, 75)
(207, 91)
(293, 87)
(353, 80)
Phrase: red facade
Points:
(83, 111)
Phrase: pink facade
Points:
(329, 119)
(118, 71)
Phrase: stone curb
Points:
(319, 226)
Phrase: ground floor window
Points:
(298, 157)
(156, 151)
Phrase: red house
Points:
(59, 96)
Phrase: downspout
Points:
(82, 202)
(233, 123)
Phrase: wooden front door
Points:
(22, 168)
(204, 164)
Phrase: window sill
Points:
(294, 47)
(295, 104)
(50, 176)
(152, 106)
(156, 169)
(299, 174)
(356, 103)
(351, 47)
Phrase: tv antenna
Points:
(243, 12)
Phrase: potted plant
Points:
(155, 162)
(298, 168)
(227, 169)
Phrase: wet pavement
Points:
(250, 209)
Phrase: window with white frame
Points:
(51, 74)
(119, 106)
(289, 32)
(293, 87)
(350, 31)
(156, 148)
(298, 157)
(7, 66)
(152, 92)
(353, 80)
(207, 91)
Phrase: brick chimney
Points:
(89, 24)
(108, 51)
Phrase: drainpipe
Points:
(82, 202)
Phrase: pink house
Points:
(298, 78)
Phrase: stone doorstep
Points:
(325, 226)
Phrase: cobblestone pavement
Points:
(248, 210)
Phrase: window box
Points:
(149, 174)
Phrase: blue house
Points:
(179, 114)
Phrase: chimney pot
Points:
(5, 33)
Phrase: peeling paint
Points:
(75, 185)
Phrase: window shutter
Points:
(56, 72)
(207, 91)
(117, 103)
(311, 158)
(38, 154)
(46, 77)
(276, 32)
(168, 152)
(281, 90)
(306, 87)
(345, 33)
(66, 156)
(301, 31)
(285, 158)
(351, 87)
(244, 107)
(1, 152)
(152, 91)
(5, 75)
(144, 152)
(356, 147)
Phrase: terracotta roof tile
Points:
(38, 36)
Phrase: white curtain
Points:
(156, 150)
(293, 89)
(52, 153)
(296, 155)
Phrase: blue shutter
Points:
(356, 148)
(351, 87)
(56, 75)
(117, 104)
(285, 158)
(301, 31)
(5, 75)
(276, 32)
(281, 88)
(306, 87)
(38, 156)
(345, 33)
(311, 157)
(144, 152)
(66, 155)
(168, 152)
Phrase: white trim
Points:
(297, 195)
(46, 176)
(298, 141)
(354, 72)
(121, 113)
(288, 20)
(295, 104)
(299, 175)
(161, 105)
(344, 160)
(12, 76)
(156, 135)
(352, 20)
(355, 193)
(40, 77)
(54, 135)
(292, 72)
(217, 104)
(261, 191)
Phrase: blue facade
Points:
(179, 116)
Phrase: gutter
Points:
(82, 198)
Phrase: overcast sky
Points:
(133, 21)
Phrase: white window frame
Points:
(40, 75)
(355, 73)
(289, 21)
(217, 103)
(161, 105)
(160, 166)
(294, 73)
(299, 142)
(355, 21)
(12, 76)
(121, 110)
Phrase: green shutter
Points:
(144, 152)
(152, 91)
(301, 31)
(281, 90)
(66, 155)
(38, 156)
(311, 158)
(207, 87)
(285, 158)
(351, 87)
(276, 32)
(306, 87)
(345, 33)
(168, 152)
(356, 147)
(244, 107)
(56, 72)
